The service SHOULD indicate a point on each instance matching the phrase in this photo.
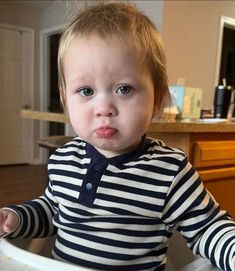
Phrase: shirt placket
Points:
(91, 182)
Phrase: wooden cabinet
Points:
(214, 159)
(211, 150)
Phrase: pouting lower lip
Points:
(106, 132)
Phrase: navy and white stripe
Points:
(119, 213)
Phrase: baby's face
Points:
(109, 92)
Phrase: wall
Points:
(15, 14)
(190, 32)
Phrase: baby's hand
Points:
(9, 221)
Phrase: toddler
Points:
(114, 195)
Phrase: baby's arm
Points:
(208, 230)
(31, 219)
(9, 221)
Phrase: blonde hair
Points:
(126, 22)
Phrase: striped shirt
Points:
(119, 213)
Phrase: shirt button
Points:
(89, 186)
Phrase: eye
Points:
(125, 89)
(86, 92)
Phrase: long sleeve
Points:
(208, 230)
(36, 216)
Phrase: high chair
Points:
(35, 255)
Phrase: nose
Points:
(105, 108)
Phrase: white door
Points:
(16, 77)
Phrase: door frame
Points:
(44, 81)
(230, 23)
(30, 93)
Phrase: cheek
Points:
(140, 119)
(77, 116)
(80, 125)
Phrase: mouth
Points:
(105, 132)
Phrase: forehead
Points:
(100, 46)
(123, 39)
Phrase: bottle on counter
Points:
(222, 100)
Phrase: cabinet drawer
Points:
(208, 175)
(214, 153)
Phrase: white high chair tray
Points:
(13, 258)
(200, 264)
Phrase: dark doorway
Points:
(227, 65)
(54, 103)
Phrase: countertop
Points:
(193, 126)
(46, 116)
(179, 126)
